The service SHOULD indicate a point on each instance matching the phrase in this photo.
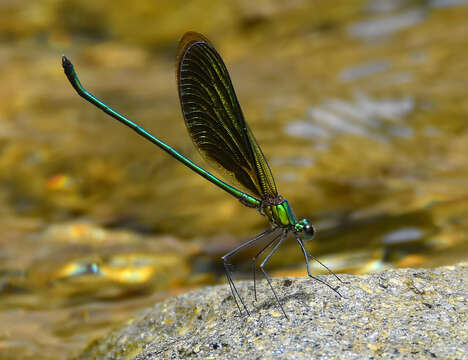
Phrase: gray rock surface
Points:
(396, 314)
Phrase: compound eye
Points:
(309, 230)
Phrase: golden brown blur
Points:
(360, 106)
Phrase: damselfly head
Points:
(304, 229)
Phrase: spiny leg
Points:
(326, 267)
(234, 292)
(254, 260)
(304, 251)
(284, 235)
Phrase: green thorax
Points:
(278, 212)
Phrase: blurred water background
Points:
(360, 106)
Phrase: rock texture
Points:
(396, 314)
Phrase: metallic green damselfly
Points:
(216, 124)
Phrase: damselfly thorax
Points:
(278, 212)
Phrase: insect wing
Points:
(214, 117)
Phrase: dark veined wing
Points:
(214, 118)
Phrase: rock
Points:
(396, 314)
